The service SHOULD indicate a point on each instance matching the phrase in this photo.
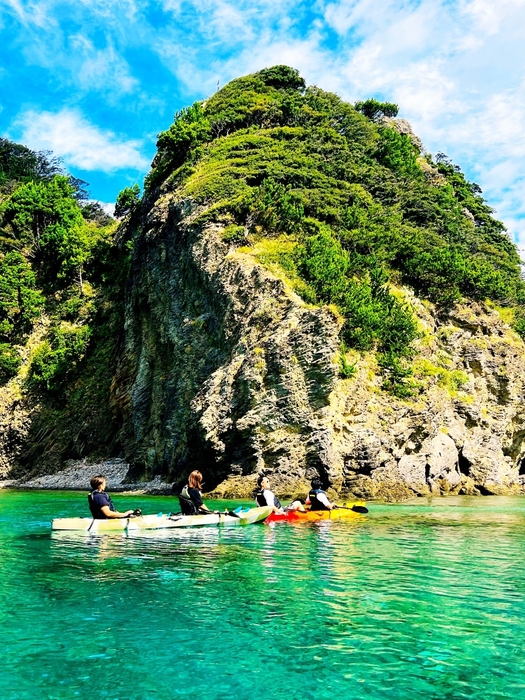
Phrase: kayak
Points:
(349, 511)
(162, 521)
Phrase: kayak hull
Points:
(161, 522)
(297, 516)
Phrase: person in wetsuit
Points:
(191, 496)
(100, 504)
(317, 498)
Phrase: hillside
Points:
(308, 292)
(61, 282)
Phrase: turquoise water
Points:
(418, 600)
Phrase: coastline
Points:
(76, 475)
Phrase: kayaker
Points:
(191, 497)
(101, 505)
(317, 498)
(265, 497)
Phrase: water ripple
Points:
(417, 600)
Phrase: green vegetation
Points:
(351, 203)
(374, 110)
(329, 195)
(127, 201)
(54, 360)
(60, 268)
(451, 379)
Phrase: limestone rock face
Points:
(15, 422)
(225, 369)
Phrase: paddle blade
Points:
(360, 509)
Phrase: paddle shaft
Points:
(355, 509)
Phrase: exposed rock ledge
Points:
(76, 476)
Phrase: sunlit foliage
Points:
(358, 202)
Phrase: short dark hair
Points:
(316, 482)
(97, 481)
(260, 479)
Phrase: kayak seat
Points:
(187, 506)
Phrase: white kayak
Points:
(162, 521)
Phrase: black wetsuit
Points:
(97, 500)
(191, 501)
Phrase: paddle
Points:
(227, 512)
(355, 508)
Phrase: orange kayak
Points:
(349, 511)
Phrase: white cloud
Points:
(108, 207)
(69, 135)
(29, 13)
(101, 68)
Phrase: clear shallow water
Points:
(419, 600)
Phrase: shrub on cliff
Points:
(58, 355)
(374, 110)
(20, 302)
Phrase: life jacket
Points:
(261, 500)
(95, 509)
(187, 506)
(315, 503)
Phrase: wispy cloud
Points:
(81, 144)
(108, 207)
(28, 13)
(101, 67)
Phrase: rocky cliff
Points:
(309, 293)
(228, 370)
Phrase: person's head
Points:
(263, 482)
(195, 480)
(98, 482)
(316, 482)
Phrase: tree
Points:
(20, 301)
(127, 201)
(93, 211)
(397, 152)
(374, 110)
(282, 77)
(47, 222)
(20, 164)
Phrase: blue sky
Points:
(96, 80)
